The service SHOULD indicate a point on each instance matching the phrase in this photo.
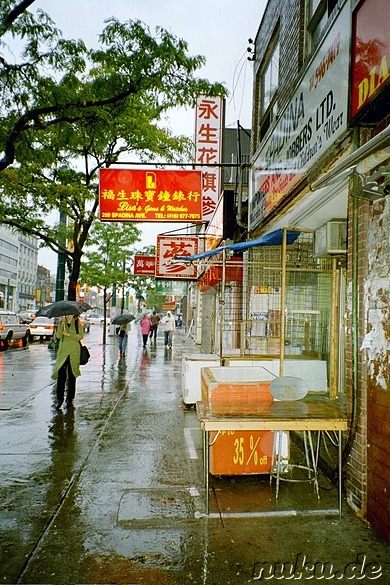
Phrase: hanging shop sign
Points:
(144, 265)
(312, 121)
(214, 275)
(208, 149)
(172, 287)
(214, 230)
(169, 306)
(223, 223)
(370, 54)
(158, 195)
(170, 246)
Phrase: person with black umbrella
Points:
(123, 338)
(124, 321)
(67, 367)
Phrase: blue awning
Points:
(272, 239)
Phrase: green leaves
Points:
(110, 256)
(68, 110)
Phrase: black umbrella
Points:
(123, 318)
(60, 308)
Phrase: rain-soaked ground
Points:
(112, 490)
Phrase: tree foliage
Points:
(110, 258)
(68, 110)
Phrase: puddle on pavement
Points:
(140, 505)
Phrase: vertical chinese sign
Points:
(208, 149)
(170, 246)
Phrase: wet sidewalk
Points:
(112, 491)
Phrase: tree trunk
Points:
(74, 276)
(105, 315)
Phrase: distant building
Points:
(24, 285)
(45, 286)
(27, 273)
(9, 256)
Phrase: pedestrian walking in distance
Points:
(146, 325)
(168, 326)
(154, 320)
(67, 367)
(123, 336)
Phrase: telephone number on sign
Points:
(151, 216)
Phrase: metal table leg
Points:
(206, 455)
(340, 473)
(314, 463)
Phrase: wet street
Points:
(112, 490)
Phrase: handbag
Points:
(84, 354)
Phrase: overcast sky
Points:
(217, 29)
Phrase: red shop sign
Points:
(158, 195)
(145, 265)
(370, 53)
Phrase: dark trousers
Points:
(153, 332)
(145, 338)
(65, 372)
(168, 338)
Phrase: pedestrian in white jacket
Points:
(167, 325)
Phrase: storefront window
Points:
(319, 12)
(269, 82)
(271, 77)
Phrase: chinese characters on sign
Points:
(170, 246)
(370, 53)
(158, 195)
(145, 265)
(311, 122)
(208, 145)
(172, 287)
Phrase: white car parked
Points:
(42, 327)
(95, 319)
(12, 327)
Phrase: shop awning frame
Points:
(274, 238)
(343, 168)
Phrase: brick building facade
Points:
(320, 150)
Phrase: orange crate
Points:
(221, 389)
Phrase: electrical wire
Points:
(240, 68)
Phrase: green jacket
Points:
(68, 346)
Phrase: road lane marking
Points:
(193, 454)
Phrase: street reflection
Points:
(144, 366)
(122, 364)
(64, 445)
(62, 435)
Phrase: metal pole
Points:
(222, 307)
(123, 285)
(283, 302)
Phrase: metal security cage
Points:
(273, 302)
(289, 301)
